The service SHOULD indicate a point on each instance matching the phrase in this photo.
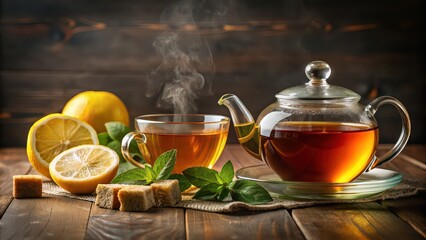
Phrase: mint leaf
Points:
(124, 167)
(249, 192)
(208, 192)
(116, 130)
(227, 172)
(136, 174)
(164, 164)
(104, 138)
(224, 193)
(116, 146)
(201, 176)
(150, 174)
(183, 182)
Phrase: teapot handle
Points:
(405, 131)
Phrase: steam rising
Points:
(177, 80)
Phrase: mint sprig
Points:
(161, 170)
(214, 185)
(219, 186)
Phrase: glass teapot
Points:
(316, 132)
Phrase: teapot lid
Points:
(317, 90)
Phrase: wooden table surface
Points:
(54, 217)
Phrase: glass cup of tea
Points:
(198, 138)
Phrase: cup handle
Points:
(125, 147)
(405, 131)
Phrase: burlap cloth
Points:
(404, 189)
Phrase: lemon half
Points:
(80, 169)
(53, 134)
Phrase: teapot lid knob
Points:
(318, 72)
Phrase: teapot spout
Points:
(245, 127)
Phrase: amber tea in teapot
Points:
(316, 132)
(313, 151)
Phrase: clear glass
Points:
(366, 185)
(198, 138)
(316, 132)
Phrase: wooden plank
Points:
(407, 168)
(50, 90)
(264, 225)
(156, 223)
(412, 210)
(13, 161)
(352, 221)
(417, 152)
(49, 217)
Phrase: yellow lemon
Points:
(79, 170)
(97, 108)
(54, 134)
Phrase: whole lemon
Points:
(97, 108)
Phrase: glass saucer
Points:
(368, 184)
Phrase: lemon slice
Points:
(54, 134)
(80, 169)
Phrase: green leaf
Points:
(116, 146)
(150, 174)
(116, 130)
(201, 176)
(136, 174)
(164, 164)
(124, 167)
(227, 172)
(183, 182)
(249, 192)
(224, 193)
(104, 138)
(208, 192)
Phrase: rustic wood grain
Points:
(242, 158)
(48, 217)
(417, 152)
(156, 223)
(51, 50)
(352, 221)
(412, 210)
(13, 161)
(264, 225)
(407, 168)
(403, 218)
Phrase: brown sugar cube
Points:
(27, 186)
(136, 198)
(166, 193)
(107, 195)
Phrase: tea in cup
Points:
(198, 138)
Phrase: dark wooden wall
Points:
(53, 49)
